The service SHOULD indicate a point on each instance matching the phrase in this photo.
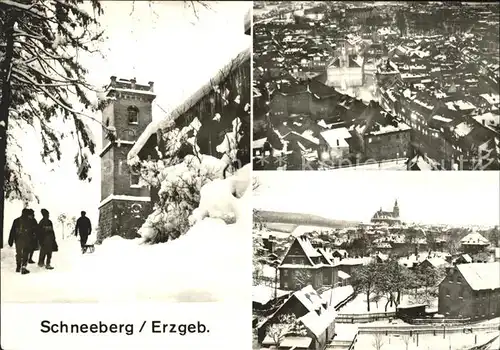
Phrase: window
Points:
(285, 272)
(459, 279)
(133, 115)
(285, 285)
(370, 140)
(134, 180)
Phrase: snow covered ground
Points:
(425, 342)
(211, 262)
(358, 305)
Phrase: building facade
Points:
(125, 203)
(387, 217)
(471, 291)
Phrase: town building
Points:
(303, 264)
(125, 204)
(471, 291)
(125, 200)
(345, 71)
(474, 243)
(311, 312)
(387, 217)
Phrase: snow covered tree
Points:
(363, 280)
(378, 341)
(43, 82)
(285, 325)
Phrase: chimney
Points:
(132, 83)
(151, 85)
(113, 81)
(484, 122)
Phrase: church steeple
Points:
(396, 208)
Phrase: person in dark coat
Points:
(84, 228)
(34, 239)
(47, 239)
(22, 233)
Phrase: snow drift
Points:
(208, 263)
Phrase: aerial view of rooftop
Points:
(376, 85)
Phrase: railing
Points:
(344, 302)
(364, 318)
(435, 330)
(361, 164)
(427, 321)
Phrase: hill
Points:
(291, 220)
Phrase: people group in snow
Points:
(28, 235)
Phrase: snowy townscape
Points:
(373, 269)
(394, 85)
(124, 160)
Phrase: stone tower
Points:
(395, 210)
(125, 204)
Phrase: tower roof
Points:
(129, 86)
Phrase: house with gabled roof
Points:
(471, 291)
(474, 243)
(311, 312)
(303, 264)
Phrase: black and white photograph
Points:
(390, 261)
(125, 130)
(376, 85)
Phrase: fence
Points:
(427, 321)
(344, 302)
(435, 330)
(364, 318)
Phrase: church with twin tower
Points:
(125, 204)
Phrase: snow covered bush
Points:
(179, 194)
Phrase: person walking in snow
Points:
(47, 239)
(34, 239)
(22, 233)
(84, 228)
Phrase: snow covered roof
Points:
(263, 294)
(259, 143)
(232, 63)
(305, 243)
(481, 276)
(474, 238)
(296, 342)
(343, 275)
(317, 323)
(436, 261)
(336, 137)
(309, 298)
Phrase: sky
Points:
(454, 198)
(165, 43)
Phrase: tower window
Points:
(134, 179)
(135, 176)
(133, 115)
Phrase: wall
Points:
(387, 146)
(123, 218)
(107, 171)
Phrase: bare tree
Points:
(406, 340)
(378, 341)
(303, 277)
(285, 325)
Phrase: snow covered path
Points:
(202, 266)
